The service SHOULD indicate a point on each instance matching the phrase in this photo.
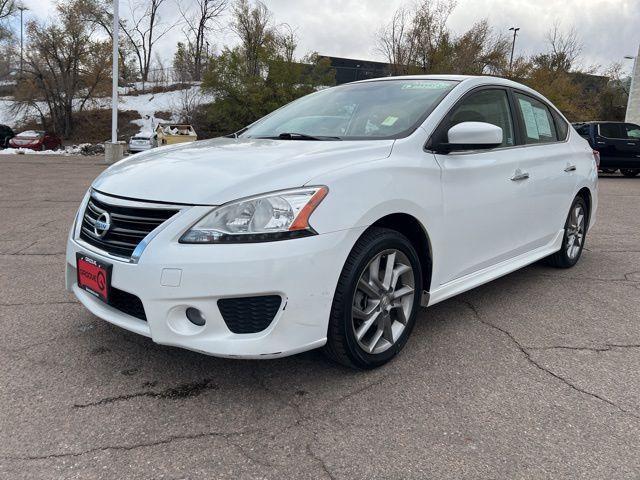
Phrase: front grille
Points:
(127, 303)
(129, 225)
(249, 314)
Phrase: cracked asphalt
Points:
(535, 375)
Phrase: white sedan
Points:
(329, 222)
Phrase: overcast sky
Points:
(608, 29)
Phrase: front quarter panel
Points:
(408, 182)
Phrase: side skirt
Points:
(485, 275)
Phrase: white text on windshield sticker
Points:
(424, 85)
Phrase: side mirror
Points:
(471, 136)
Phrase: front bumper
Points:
(171, 277)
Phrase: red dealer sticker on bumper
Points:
(94, 276)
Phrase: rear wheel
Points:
(629, 172)
(575, 231)
(376, 300)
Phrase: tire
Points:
(575, 227)
(608, 170)
(629, 172)
(395, 317)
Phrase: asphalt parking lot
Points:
(535, 375)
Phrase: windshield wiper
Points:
(300, 136)
(238, 133)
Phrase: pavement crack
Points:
(186, 390)
(320, 461)
(588, 279)
(527, 355)
(17, 252)
(21, 253)
(25, 304)
(363, 389)
(134, 446)
(606, 348)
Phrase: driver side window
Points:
(490, 106)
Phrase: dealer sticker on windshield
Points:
(425, 85)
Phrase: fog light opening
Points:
(195, 316)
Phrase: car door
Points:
(482, 189)
(610, 140)
(629, 146)
(551, 164)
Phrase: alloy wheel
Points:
(383, 301)
(575, 231)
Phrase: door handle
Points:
(570, 168)
(519, 175)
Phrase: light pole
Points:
(632, 93)
(22, 8)
(114, 151)
(513, 45)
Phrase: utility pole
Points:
(114, 73)
(22, 8)
(114, 150)
(513, 46)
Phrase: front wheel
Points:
(629, 172)
(575, 231)
(376, 300)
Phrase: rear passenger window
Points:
(562, 127)
(633, 131)
(612, 130)
(536, 119)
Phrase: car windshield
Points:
(369, 110)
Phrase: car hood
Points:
(212, 172)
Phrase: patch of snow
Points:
(147, 105)
(69, 150)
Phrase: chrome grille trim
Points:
(131, 230)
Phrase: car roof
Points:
(466, 81)
(480, 79)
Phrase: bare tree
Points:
(479, 51)
(412, 39)
(7, 8)
(254, 27)
(65, 68)
(145, 30)
(286, 40)
(396, 42)
(198, 25)
(99, 13)
(429, 30)
(187, 103)
(565, 47)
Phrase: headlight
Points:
(265, 218)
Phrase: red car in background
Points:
(36, 140)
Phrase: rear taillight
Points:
(596, 157)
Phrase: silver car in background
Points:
(142, 142)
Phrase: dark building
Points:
(351, 70)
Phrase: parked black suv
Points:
(6, 134)
(617, 142)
